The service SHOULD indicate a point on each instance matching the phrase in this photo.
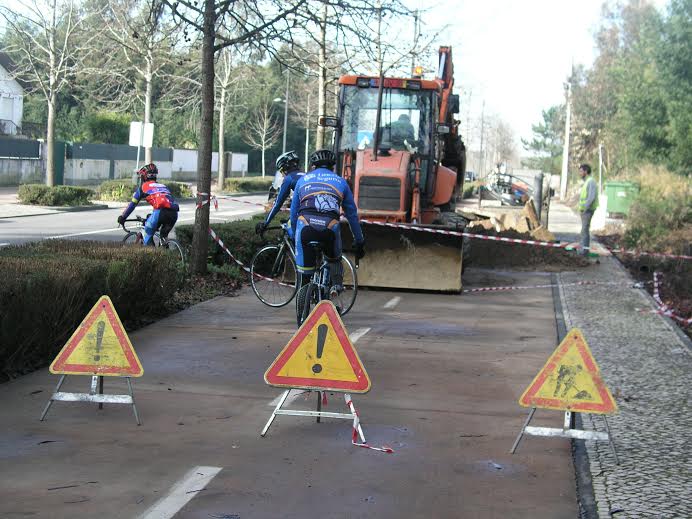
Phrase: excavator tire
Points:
(408, 258)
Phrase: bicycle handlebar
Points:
(135, 219)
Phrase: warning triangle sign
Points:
(320, 356)
(99, 346)
(570, 381)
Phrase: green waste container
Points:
(620, 196)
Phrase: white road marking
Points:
(100, 231)
(3, 244)
(358, 334)
(184, 490)
(392, 302)
(295, 393)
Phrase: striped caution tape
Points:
(565, 246)
(664, 309)
(548, 285)
(209, 198)
(356, 427)
(242, 265)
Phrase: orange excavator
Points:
(398, 146)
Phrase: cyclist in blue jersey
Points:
(288, 164)
(315, 211)
(165, 212)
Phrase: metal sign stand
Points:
(567, 431)
(95, 394)
(318, 413)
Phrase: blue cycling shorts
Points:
(320, 228)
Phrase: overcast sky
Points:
(515, 54)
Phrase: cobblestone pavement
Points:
(647, 364)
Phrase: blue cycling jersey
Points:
(289, 183)
(323, 192)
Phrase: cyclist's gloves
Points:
(121, 220)
(260, 227)
(360, 249)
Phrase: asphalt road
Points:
(100, 224)
(446, 373)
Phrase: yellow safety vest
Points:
(585, 194)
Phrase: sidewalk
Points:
(646, 362)
(11, 208)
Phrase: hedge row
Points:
(49, 287)
(39, 194)
(247, 184)
(238, 236)
(121, 190)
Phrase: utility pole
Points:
(307, 134)
(416, 31)
(600, 168)
(565, 150)
(480, 156)
(288, 79)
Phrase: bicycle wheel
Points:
(273, 276)
(131, 238)
(304, 300)
(176, 249)
(345, 300)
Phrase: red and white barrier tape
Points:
(354, 434)
(240, 263)
(207, 200)
(664, 309)
(526, 287)
(492, 238)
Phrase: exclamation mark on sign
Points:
(322, 330)
(100, 328)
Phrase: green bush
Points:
(122, 190)
(247, 184)
(469, 190)
(662, 208)
(49, 287)
(239, 237)
(108, 127)
(39, 194)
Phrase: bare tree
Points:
(264, 23)
(142, 42)
(46, 52)
(262, 131)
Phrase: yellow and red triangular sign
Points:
(570, 381)
(99, 346)
(320, 356)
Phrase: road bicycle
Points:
(273, 272)
(136, 237)
(320, 287)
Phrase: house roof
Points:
(10, 66)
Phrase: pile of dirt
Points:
(675, 282)
(490, 253)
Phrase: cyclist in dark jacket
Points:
(165, 212)
(288, 165)
(315, 213)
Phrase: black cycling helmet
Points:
(287, 161)
(148, 172)
(323, 159)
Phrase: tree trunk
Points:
(200, 243)
(147, 109)
(264, 166)
(222, 155)
(322, 85)
(50, 142)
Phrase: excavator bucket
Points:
(408, 258)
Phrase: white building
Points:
(11, 99)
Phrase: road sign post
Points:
(569, 381)
(141, 135)
(99, 347)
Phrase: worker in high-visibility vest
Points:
(588, 202)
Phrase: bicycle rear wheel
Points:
(273, 276)
(346, 299)
(176, 249)
(304, 301)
